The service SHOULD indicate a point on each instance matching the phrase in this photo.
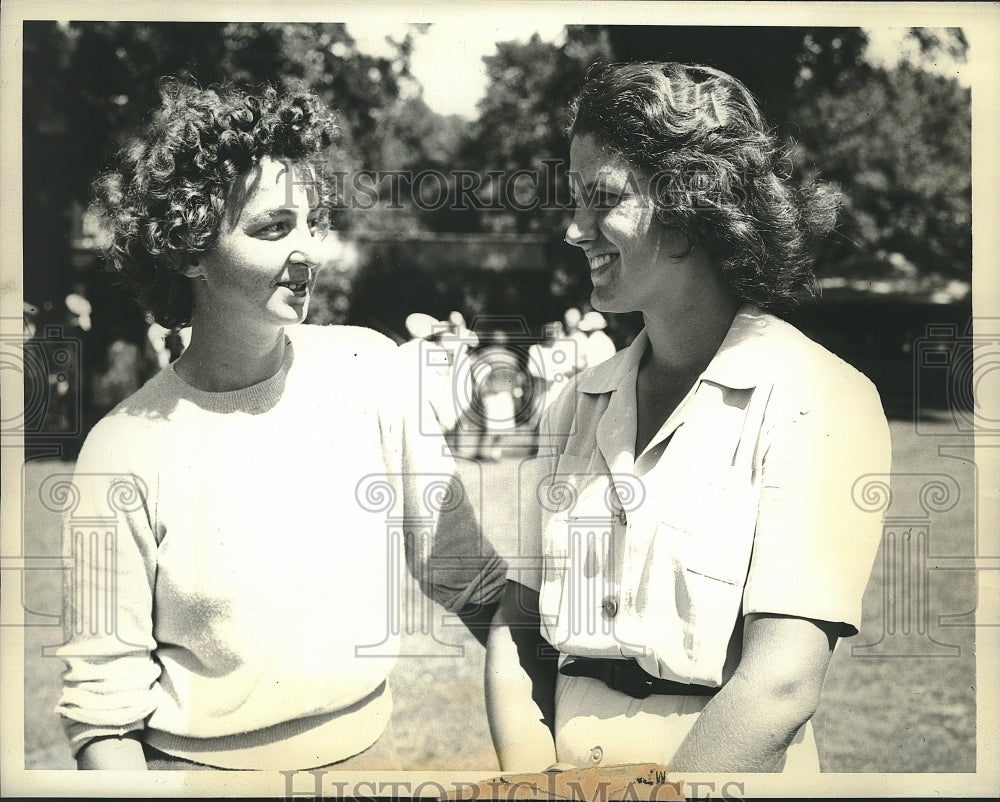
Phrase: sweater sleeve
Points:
(108, 594)
(447, 552)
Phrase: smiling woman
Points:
(235, 612)
(691, 549)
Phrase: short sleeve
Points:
(814, 546)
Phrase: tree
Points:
(323, 57)
(522, 121)
(416, 160)
(897, 141)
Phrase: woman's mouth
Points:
(602, 260)
(299, 278)
(297, 287)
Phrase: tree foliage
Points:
(898, 142)
(522, 118)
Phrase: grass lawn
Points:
(899, 696)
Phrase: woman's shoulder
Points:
(122, 434)
(807, 374)
(348, 340)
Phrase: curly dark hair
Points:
(717, 174)
(165, 201)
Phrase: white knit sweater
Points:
(235, 553)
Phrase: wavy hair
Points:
(716, 172)
(166, 200)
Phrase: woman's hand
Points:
(520, 684)
(112, 752)
(749, 724)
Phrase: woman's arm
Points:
(774, 691)
(815, 539)
(520, 684)
(112, 752)
(108, 597)
(446, 550)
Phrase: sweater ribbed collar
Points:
(256, 398)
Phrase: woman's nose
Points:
(582, 228)
(306, 247)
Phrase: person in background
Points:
(30, 320)
(72, 388)
(78, 312)
(459, 342)
(571, 330)
(550, 364)
(430, 362)
(498, 380)
(599, 347)
(693, 521)
(237, 614)
(166, 344)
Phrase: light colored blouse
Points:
(745, 501)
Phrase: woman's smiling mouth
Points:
(602, 260)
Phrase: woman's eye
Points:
(272, 230)
(319, 224)
(606, 200)
(599, 201)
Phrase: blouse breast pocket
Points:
(689, 598)
(711, 585)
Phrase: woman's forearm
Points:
(749, 724)
(520, 685)
(742, 729)
(122, 753)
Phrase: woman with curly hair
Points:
(234, 607)
(698, 551)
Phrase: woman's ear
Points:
(193, 269)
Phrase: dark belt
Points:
(628, 677)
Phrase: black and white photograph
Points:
(572, 400)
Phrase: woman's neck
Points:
(221, 358)
(684, 342)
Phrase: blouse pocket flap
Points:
(709, 552)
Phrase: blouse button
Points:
(610, 606)
(596, 754)
(622, 519)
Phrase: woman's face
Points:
(633, 257)
(263, 264)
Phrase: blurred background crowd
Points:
(490, 283)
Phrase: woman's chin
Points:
(289, 312)
(605, 302)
